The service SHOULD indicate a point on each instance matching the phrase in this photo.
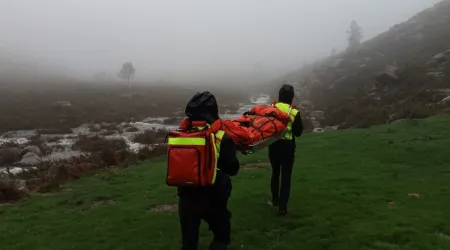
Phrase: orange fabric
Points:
(260, 123)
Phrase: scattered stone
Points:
(438, 57)
(436, 75)
(131, 129)
(446, 100)
(95, 128)
(257, 165)
(21, 185)
(164, 208)
(98, 201)
(331, 128)
(414, 195)
(318, 130)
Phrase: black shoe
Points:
(282, 212)
(272, 203)
(275, 203)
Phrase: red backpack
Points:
(193, 151)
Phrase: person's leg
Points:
(219, 223)
(287, 163)
(275, 163)
(190, 226)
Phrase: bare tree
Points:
(354, 35)
(127, 72)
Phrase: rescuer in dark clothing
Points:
(282, 152)
(208, 203)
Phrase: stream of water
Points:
(61, 145)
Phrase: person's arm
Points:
(228, 162)
(297, 125)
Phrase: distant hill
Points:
(401, 73)
(16, 68)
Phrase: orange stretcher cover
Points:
(260, 123)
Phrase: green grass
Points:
(342, 182)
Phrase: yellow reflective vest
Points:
(284, 107)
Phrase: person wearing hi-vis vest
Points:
(208, 203)
(282, 152)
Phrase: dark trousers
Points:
(282, 155)
(213, 210)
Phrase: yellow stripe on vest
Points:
(219, 135)
(216, 155)
(187, 141)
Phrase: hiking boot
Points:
(282, 211)
(272, 203)
(275, 202)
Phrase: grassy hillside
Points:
(350, 191)
(398, 74)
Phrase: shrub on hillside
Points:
(97, 144)
(9, 191)
(9, 153)
(150, 137)
(55, 131)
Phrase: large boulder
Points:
(439, 58)
(446, 100)
(30, 158)
(9, 155)
(32, 149)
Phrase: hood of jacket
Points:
(202, 107)
(286, 94)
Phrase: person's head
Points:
(202, 107)
(286, 94)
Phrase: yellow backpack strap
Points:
(219, 136)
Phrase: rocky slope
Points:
(402, 73)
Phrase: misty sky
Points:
(167, 38)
